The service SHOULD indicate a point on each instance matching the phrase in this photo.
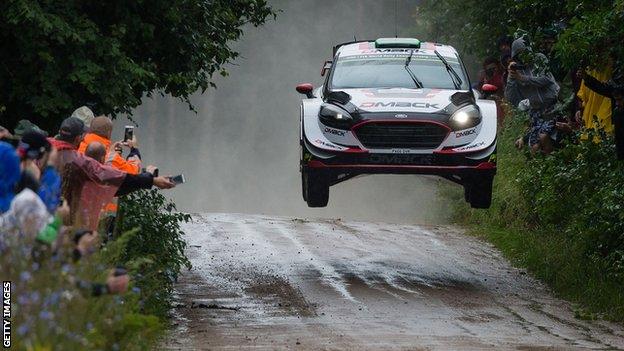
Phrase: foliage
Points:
(51, 310)
(52, 303)
(590, 31)
(58, 55)
(155, 250)
(561, 216)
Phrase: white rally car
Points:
(396, 106)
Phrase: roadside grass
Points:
(560, 217)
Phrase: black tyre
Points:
(303, 187)
(481, 192)
(467, 192)
(315, 188)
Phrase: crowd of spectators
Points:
(532, 79)
(58, 194)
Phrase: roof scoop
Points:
(397, 43)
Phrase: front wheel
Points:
(315, 186)
(480, 191)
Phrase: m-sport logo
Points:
(400, 115)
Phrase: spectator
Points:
(504, 61)
(96, 151)
(4, 133)
(492, 73)
(39, 158)
(84, 114)
(537, 89)
(23, 126)
(9, 175)
(595, 110)
(77, 169)
(614, 90)
(504, 43)
(549, 38)
(101, 131)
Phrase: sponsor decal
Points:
(464, 133)
(402, 159)
(413, 94)
(332, 146)
(470, 147)
(337, 132)
(399, 104)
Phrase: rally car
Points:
(396, 106)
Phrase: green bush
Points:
(155, 251)
(561, 216)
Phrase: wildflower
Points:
(22, 330)
(25, 276)
(46, 315)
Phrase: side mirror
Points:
(306, 89)
(489, 88)
(326, 66)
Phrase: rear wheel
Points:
(480, 191)
(315, 188)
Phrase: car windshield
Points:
(388, 71)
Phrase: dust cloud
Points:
(240, 152)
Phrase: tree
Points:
(56, 55)
(590, 31)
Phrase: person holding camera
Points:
(531, 87)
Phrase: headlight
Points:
(336, 117)
(465, 117)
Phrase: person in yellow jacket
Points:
(595, 104)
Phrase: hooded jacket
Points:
(77, 169)
(9, 175)
(539, 87)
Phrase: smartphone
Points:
(517, 66)
(179, 179)
(128, 133)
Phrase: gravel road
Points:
(278, 283)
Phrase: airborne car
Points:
(396, 106)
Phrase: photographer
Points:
(529, 82)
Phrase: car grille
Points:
(382, 135)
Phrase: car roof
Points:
(368, 47)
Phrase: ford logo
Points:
(400, 115)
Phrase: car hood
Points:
(400, 99)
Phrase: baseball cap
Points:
(72, 127)
(33, 145)
(23, 126)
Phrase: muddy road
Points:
(276, 283)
